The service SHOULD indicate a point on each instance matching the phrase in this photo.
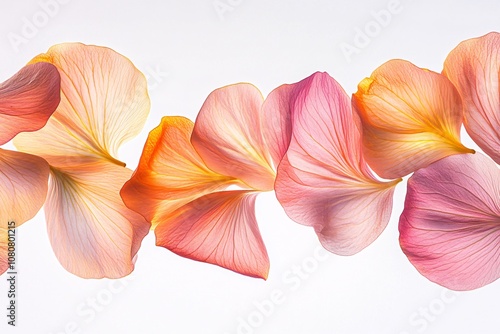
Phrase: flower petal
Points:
(324, 181)
(23, 187)
(228, 135)
(411, 117)
(28, 99)
(170, 173)
(450, 229)
(474, 66)
(104, 102)
(277, 120)
(91, 231)
(218, 228)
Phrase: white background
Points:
(187, 49)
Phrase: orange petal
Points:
(228, 135)
(218, 228)
(170, 173)
(411, 117)
(28, 99)
(104, 102)
(23, 187)
(474, 67)
(91, 231)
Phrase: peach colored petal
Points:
(411, 117)
(228, 135)
(218, 228)
(323, 180)
(92, 232)
(23, 187)
(450, 226)
(474, 67)
(104, 102)
(4, 264)
(170, 173)
(28, 99)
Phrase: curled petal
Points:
(218, 228)
(28, 99)
(228, 136)
(450, 229)
(323, 180)
(23, 187)
(170, 173)
(474, 66)
(411, 117)
(104, 102)
(92, 232)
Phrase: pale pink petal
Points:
(23, 187)
(92, 232)
(474, 67)
(218, 228)
(450, 227)
(324, 181)
(228, 135)
(28, 99)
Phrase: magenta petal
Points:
(323, 180)
(450, 227)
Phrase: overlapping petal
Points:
(104, 102)
(450, 226)
(23, 187)
(323, 180)
(218, 228)
(474, 67)
(28, 99)
(170, 173)
(228, 135)
(92, 232)
(411, 117)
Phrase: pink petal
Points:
(228, 136)
(324, 181)
(91, 231)
(218, 228)
(23, 187)
(474, 67)
(277, 120)
(450, 228)
(28, 99)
